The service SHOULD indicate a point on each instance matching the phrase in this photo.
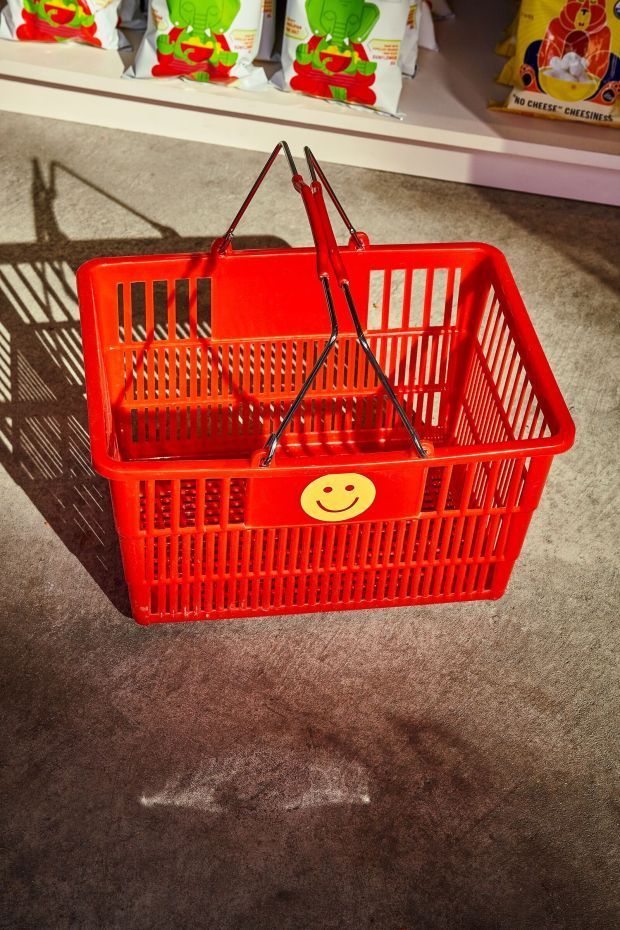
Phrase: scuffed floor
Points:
(446, 767)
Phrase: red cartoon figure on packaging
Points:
(196, 46)
(334, 63)
(574, 60)
(57, 21)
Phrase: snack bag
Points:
(345, 50)
(268, 31)
(506, 46)
(566, 63)
(211, 41)
(441, 9)
(92, 21)
(426, 27)
(131, 14)
(410, 43)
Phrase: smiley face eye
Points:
(328, 490)
(350, 487)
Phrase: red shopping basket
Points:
(316, 429)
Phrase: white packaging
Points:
(210, 41)
(349, 53)
(92, 21)
(426, 33)
(131, 15)
(441, 9)
(268, 32)
(409, 48)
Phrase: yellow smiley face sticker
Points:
(338, 497)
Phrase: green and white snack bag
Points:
(345, 50)
(266, 48)
(426, 27)
(211, 41)
(92, 21)
(441, 9)
(409, 48)
(131, 15)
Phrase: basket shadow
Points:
(44, 444)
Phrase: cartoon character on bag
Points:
(574, 61)
(57, 21)
(333, 63)
(196, 46)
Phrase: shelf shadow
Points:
(44, 444)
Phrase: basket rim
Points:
(112, 467)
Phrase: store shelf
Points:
(447, 131)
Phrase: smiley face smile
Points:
(341, 509)
(332, 498)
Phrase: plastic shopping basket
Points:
(316, 429)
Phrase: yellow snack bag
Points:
(567, 61)
(506, 47)
(507, 74)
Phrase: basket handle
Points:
(329, 260)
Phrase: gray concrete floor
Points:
(416, 768)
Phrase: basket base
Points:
(143, 616)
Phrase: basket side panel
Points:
(504, 391)
(194, 558)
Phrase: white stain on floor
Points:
(263, 783)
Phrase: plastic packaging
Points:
(420, 33)
(345, 52)
(411, 42)
(566, 63)
(208, 43)
(63, 20)
(426, 27)
(266, 47)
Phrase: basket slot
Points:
(190, 504)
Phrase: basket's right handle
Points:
(326, 234)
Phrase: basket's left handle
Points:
(322, 257)
(220, 245)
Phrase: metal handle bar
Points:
(328, 259)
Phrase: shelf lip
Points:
(274, 106)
